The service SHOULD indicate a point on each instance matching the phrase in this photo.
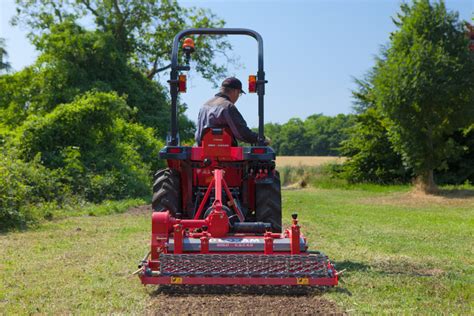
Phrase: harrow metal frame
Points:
(303, 281)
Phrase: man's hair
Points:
(225, 90)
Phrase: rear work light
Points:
(258, 151)
(182, 83)
(174, 150)
(252, 84)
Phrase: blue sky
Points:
(313, 50)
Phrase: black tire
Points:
(166, 191)
(268, 203)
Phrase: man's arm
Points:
(238, 126)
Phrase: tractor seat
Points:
(218, 135)
(217, 142)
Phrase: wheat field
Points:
(295, 161)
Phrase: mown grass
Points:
(403, 255)
(74, 265)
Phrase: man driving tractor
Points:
(217, 216)
(220, 111)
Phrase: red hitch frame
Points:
(222, 258)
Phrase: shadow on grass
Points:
(456, 193)
(388, 268)
(351, 266)
(18, 228)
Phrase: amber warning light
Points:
(182, 83)
(188, 45)
(252, 84)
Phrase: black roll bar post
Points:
(173, 140)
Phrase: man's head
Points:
(232, 87)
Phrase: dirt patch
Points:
(243, 303)
(419, 199)
(431, 272)
(301, 184)
(140, 210)
(404, 266)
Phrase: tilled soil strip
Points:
(240, 305)
(272, 301)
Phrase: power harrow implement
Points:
(217, 207)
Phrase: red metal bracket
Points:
(218, 182)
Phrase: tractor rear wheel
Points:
(268, 203)
(166, 191)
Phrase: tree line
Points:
(317, 135)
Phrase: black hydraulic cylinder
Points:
(251, 227)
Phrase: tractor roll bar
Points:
(175, 68)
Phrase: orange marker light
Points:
(252, 84)
(188, 44)
(182, 83)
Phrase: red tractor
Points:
(217, 207)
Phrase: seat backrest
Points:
(217, 142)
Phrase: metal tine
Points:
(233, 265)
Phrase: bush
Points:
(85, 150)
(24, 186)
(100, 155)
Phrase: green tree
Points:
(4, 65)
(73, 61)
(371, 157)
(293, 142)
(273, 131)
(324, 134)
(424, 87)
(16, 95)
(142, 29)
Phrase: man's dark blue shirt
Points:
(220, 112)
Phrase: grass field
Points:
(403, 253)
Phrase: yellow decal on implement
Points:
(176, 280)
(302, 281)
